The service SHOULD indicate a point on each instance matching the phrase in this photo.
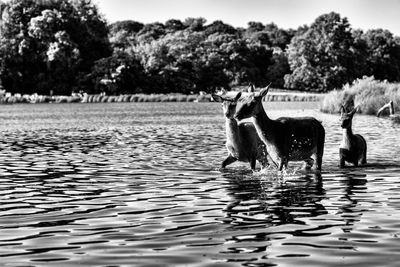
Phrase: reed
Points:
(369, 94)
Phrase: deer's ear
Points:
(354, 110)
(264, 91)
(342, 109)
(217, 98)
(251, 88)
(238, 96)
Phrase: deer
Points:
(242, 141)
(286, 139)
(353, 148)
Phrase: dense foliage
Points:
(64, 46)
(329, 54)
(50, 46)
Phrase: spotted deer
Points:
(353, 148)
(286, 139)
(242, 141)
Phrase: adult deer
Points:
(242, 141)
(353, 148)
(294, 139)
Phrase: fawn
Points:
(353, 148)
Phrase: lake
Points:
(138, 184)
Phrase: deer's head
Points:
(346, 118)
(250, 105)
(228, 104)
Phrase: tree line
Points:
(63, 46)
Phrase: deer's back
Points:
(301, 126)
(302, 136)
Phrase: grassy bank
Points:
(272, 96)
(368, 93)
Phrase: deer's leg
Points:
(319, 162)
(229, 160)
(283, 164)
(342, 162)
(280, 166)
(364, 156)
(320, 150)
(253, 163)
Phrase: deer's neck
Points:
(232, 132)
(346, 140)
(347, 132)
(265, 126)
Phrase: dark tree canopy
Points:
(45, 45)
(61, 46)
(321, 58)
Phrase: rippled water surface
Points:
(138, 184)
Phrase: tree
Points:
(120, 73)
(122, 34)
(278, 37)
(130, 26)
(46, 45)
(195, 24)
(322, 58)
(169, 61)
(383, 52)
(219, 27)
(278, 69)
(187, 61)
(256, 32)
(150, 32)
(174, 25)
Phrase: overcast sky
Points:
(364, 14)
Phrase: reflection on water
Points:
(138, 185)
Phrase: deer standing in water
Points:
(294, 139)
(353, 148)
(242, 141)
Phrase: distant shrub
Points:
(181, 98)
(61, 99)
(368, 93)
(133, 98)
(96, 98)
(24, 99)
(90, 98)
(74, 99)
(126, 98)
(191, 98)
(120, 98)
(111, 99)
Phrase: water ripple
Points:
(120, 184)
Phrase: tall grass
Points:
(368, 93)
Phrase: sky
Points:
(362, 14)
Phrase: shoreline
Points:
(173, 97)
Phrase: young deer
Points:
(353, 148)
(242, 141)
(285, 138)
